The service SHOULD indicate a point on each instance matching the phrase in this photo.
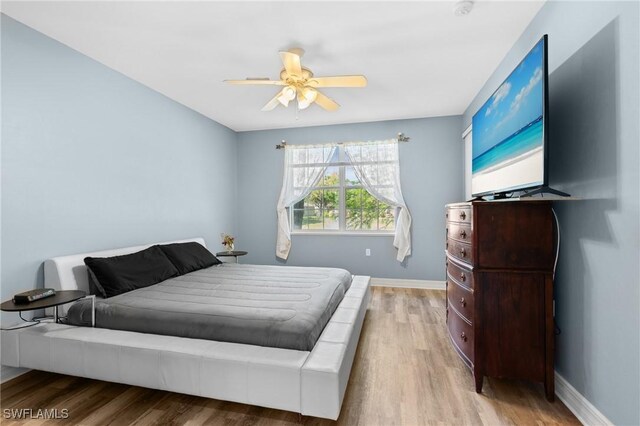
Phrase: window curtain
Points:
(377, 166)
(304, 166)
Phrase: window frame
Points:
(342, 165)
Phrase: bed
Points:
(275, 306)
(307, 378)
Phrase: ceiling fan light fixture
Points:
(285, 96)
(289, 92)
(310, 94)
(284, 101)
(303, 102)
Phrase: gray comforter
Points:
(277, 306)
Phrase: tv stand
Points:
(544, 190)
(478, 198)
(525, 193)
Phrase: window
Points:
(339, 203)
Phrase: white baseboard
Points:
(578, 404)
(400, 283)
(8, 373)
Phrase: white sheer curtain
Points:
(304, 166)
(377, 166)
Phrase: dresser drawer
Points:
(460, 250)
(460, 214)
(459, 231)
(460, 274)
(461, 298)
(461, 334)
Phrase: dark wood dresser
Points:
(499, 259)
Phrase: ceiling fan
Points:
(300, 84)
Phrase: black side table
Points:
(60, 298)
(235, 254)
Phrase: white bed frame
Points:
(311, 383)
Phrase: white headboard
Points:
(70, 272)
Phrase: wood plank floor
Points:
(405, 373)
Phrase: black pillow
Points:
(120, 274)
(189, 257)
(94, 284)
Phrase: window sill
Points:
(343, 234)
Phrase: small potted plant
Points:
(227, 242)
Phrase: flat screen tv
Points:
(509, 142)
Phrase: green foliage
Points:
(332, 179)
(320, 209)
(364, 211)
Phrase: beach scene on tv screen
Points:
(508, 131)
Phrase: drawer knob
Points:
(463, 215)
(463, 337)
(463, 277)
(463, 252)
(463, 234)
(463, 302)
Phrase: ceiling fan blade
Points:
(338, 81)
(326, 103)
(272, 103)
(291, 63)
(260, 81)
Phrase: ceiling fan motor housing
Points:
(306, 74)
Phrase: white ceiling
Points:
(419, 58)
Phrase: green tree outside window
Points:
(320, 210)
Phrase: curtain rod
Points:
(400, 137)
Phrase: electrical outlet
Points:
(367, 252)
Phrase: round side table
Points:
(231, 254)
(60, 298)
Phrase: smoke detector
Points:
(463, 7)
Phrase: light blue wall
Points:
(93, 160)
(431, 174)
(594, 107)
